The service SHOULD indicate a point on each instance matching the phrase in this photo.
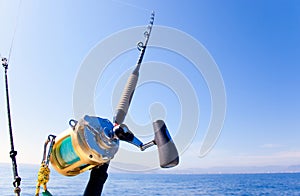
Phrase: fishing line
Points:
(132, 5)
(14, 33)
(112, 78)
(115, 73)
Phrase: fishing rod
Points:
(13, 152)
(93, 141)
(128, 92)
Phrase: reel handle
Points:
(168, 154)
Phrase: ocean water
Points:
(157, 184)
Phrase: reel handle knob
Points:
(168, 154)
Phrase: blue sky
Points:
(255, 44)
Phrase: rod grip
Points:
(126, 97)
(168, 154)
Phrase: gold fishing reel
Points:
(87, 143)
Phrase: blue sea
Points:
(157, 184)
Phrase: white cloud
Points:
(277, 158)
(226, 158)
(271, 146)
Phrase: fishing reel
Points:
(93, 141)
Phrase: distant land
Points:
(240, 170)
(220, 170)
(212, 170)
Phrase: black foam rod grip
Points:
(168, 154)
